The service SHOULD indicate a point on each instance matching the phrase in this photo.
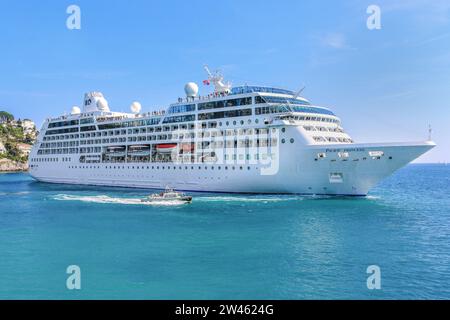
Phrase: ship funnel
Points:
(94, 101)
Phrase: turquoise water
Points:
(227, 246)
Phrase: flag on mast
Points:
(206, 82)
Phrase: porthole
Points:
(292, 140)
(283, 140)
(256, 120)
(234, 123)
(283, 130)
(242, 122)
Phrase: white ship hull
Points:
(298, 172)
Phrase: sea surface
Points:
(226, 246)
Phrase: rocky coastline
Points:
(7, 165)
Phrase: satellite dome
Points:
(102, 104)
(75, 110)
(135, 107)
(191, 89)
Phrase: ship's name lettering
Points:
(346, 150)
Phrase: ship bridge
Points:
(251, 89)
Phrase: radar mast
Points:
(217, 80)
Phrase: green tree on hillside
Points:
(13, 152)
(6, 116)
(12, 135)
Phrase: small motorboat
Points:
(168, 195)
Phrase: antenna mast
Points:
(217, 80)
(207, 71)
(299, 92)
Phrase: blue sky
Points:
(386, 85)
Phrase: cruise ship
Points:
(243, 139)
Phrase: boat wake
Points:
(276, 198)
(137, 201)
(21, 193)
(109, 200)
(249, 199)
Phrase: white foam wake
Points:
(110, 200)
(20, 193)
(249, 199)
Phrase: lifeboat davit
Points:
(166, 147)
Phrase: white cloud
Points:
(433, 39)
(426, 11)
(396, 95)
(334, 40)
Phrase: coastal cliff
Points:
(7, 165)
(16, 140)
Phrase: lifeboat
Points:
(139, 150)
(166, 147)
(116, 151)
(187, 147)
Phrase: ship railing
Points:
(104, 119)
(203, 98)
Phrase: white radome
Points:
(135, 107)
(102, 104)
(191, 89)
(75, 110)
